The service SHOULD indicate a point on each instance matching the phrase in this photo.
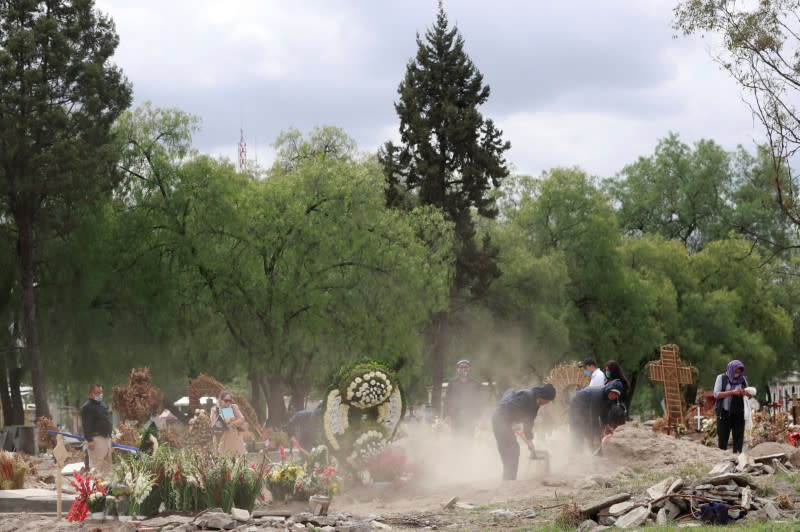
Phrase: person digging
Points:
(593, 411)
(518, 406)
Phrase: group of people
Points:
(600, 407)
(225, 417)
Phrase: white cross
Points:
(699, 419)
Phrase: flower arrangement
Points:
(368, 389)
(299, 481)
(190, 480)
(12, 471)
(86, 488)
(391, 465)
(362, 410)
(366, 447)
(96, 502)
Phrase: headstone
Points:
(595, 506)
(721, 468)
(670, 371)
(747, 497)
(659, 490)
(636, 517)
(615, 510)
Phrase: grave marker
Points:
(670, 371)
(60, 454)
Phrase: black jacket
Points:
(462, 403)
(589, 407)
(96, 419)
(520, 406)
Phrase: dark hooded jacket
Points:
(590, 406)
(521, 406)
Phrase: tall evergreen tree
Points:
(59, 96)
(449, 157)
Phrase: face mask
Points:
(99, 397)
(608, 374)
(463, 373)
(587, 373)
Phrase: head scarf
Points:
(732, 365)
(463, 362)
(546, 391)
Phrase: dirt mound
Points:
(771, 447)
(635, 445)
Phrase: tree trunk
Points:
(5, 397)
(26, 257)
(256, 398)
(439, 343)
(299, 390)
(277, 408)
(17, 408)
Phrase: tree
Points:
(760, 50)
(450, 157)
(59, 96)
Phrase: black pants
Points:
(506, 444)
(728, 424)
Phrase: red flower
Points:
(282, 451)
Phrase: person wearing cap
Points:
(462, 401)
(592, 409)
(518, 406)
(590, 369)
(730, 392)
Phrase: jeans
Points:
(506, 444)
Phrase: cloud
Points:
(589, 83)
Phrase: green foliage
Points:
(59, 96)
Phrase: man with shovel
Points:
(518, 406)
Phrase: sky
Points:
(573, 83)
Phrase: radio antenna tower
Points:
(242, 152)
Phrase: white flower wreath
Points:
(335, 421)
(370, 389)
(391, 412)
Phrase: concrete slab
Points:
(32, 500)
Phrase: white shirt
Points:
(598, 378)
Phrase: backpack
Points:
(725, 381)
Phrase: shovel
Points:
(542, 456)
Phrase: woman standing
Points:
(613, 371)
(729, 391)
(225, 421)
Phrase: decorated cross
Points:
(60, 454)
(671, 371)
(567, 378)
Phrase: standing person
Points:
(594, 408)
(590, 369)
(613, 371)
(729, 391)
(462, 401)
(225, 421)
(518, 406)
(96, 422)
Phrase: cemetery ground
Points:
(643, 472)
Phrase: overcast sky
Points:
(586, 83)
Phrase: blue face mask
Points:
(608, 374)
(587, 373)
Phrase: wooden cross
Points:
(60, 454)
(671, 371)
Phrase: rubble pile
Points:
(263, 520)
(727, 493)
